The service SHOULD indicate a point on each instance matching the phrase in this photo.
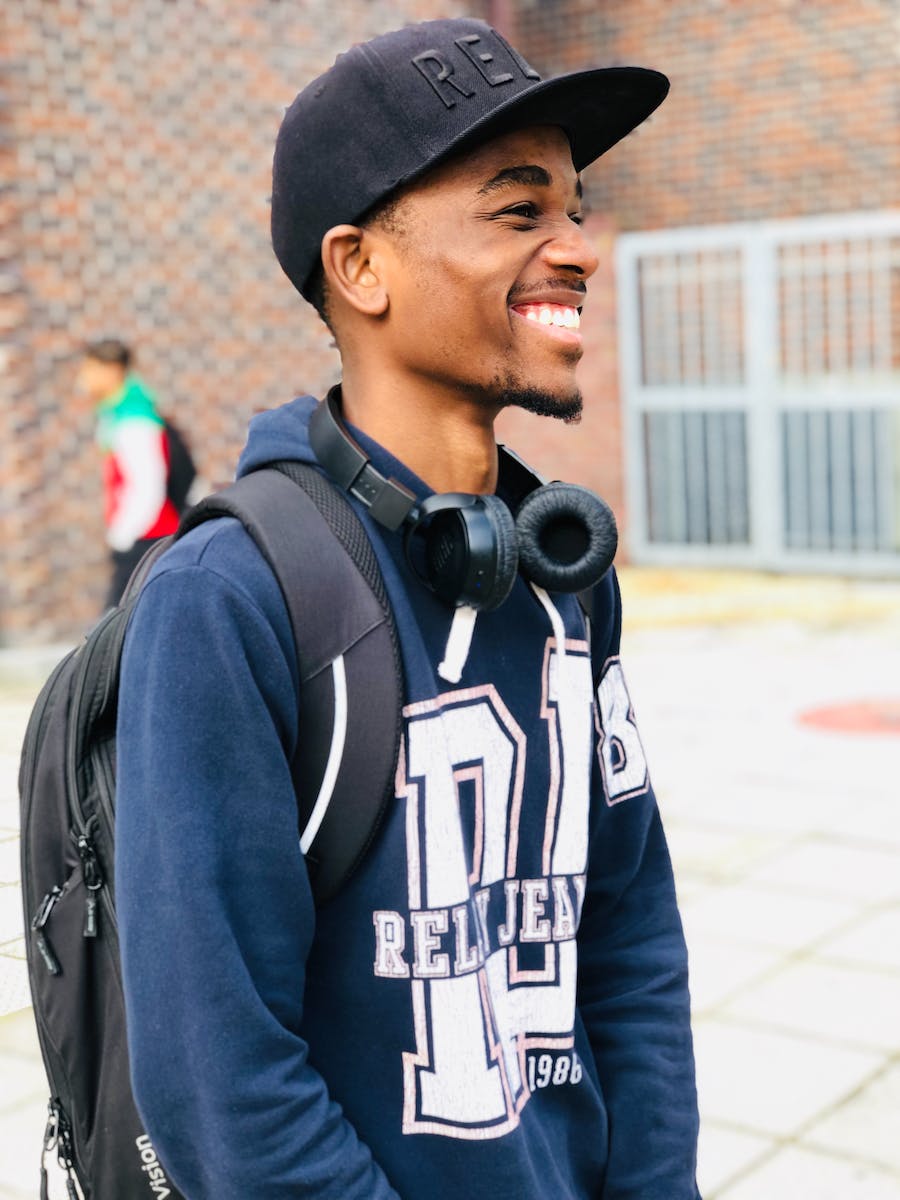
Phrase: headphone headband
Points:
(389, 502)
(468, 548)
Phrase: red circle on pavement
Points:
(859, 716)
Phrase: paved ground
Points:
(786, 841)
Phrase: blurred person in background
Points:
(134, 440)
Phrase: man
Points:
(495, 1004)
(132, 437)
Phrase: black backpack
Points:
(182, 469)
(343, 625)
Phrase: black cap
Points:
(390, 109)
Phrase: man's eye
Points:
(576, 218)
(528, 211)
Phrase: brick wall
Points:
(138, 137)
(778, 108)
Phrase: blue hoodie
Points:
(496, 1004)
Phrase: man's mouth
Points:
(562, 316)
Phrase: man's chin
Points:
(564, 406)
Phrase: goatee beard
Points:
(565, 408)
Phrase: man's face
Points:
(487, 275)
(99, 380)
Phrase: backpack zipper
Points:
(58, 1136)
(93, 882)
(40, 919)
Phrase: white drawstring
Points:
(559, 634)
(459, 642)
(462, 630)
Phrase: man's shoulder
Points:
(218, 556)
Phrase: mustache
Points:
(548, 285)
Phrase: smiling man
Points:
(495, 1005)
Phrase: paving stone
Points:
(723, 1153)
(14, 991)
(820, 867)
(717, 853)
(867, 1125)
(874, 941)
(802, 1175)
(18, 1034)
(851, 1006)
(718, 968)
(765, 916)
(11, 919)
(771, 1083)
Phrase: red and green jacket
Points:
(132, 435)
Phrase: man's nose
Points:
(571, 249)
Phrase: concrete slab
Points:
(797, 1174)
(822, 867)
(719, 970)
(772, 1083)
(873, 941)
(727, 1153)
(765, 916)
(856, 1008)
(12, 920)
(866, 1126)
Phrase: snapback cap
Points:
(392, 108)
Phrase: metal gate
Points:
(761, 387)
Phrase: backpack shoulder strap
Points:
(351, 684)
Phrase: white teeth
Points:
(562, 318)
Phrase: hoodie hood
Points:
(279, 434)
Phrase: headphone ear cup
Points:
(567, 537)
(506, 553)
(471, 553)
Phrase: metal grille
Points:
(691, 318)
(839, 484)
(696, 477)
(761, 380)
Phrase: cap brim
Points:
(596, 108)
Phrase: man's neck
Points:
(447, 440)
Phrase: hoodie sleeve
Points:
(216, 915)
(633, 983)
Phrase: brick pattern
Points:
(777, 109)
(138, 138)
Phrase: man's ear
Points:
(353, 269)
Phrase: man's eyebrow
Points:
(529, 175)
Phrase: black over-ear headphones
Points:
(468, 548)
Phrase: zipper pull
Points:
(93, 882)
(65, 1154)
(50, 1136)
(40, 919)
